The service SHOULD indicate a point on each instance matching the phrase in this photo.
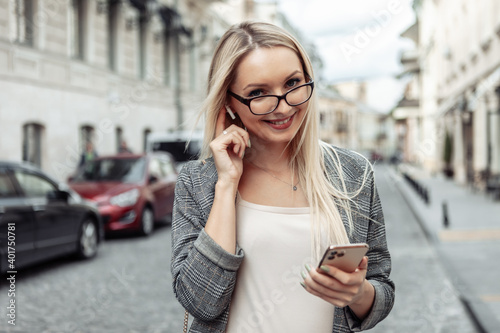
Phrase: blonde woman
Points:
(266, 198)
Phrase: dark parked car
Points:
(42, 219)
(132, 192)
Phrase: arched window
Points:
(32, 143)
(86, 135)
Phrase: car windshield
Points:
(178, 149)
(126, 170)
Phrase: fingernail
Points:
(303, 284)
(304, 275)
(307, 267)
(324, 268)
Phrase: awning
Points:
(450, 103)
(488, 84)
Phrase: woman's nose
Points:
(283, 106)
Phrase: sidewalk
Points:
(469, 245)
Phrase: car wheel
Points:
(147, 221)
(88, 240)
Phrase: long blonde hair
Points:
(324, 195)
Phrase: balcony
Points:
(409, 57)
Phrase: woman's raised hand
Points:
(228, 149)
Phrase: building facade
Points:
(458, 48)
(407, 113)
(108, 71)
(348, 121)
(74, 71)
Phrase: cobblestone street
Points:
(426, 298)
(127, 288)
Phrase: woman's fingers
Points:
(237, 136)
(345, 277)
(334, 285)
(228, 149)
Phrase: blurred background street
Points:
(107, 90)
(127, 287)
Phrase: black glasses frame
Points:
(247, 101)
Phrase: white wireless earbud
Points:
(231, 114)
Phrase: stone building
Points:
(107, 71)
(73, 71)
(458, 48)
(407, 113)
(348, 121)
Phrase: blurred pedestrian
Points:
(124, 148)
(89, 154)
(267, 196)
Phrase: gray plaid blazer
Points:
(204, 275)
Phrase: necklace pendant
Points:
(294, 188)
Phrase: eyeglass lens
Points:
(294, 97)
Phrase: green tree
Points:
(447, 154)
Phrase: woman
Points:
(243, 213)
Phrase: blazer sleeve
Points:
(379, 263)
(203, 273)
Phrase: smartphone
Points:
(345, 257)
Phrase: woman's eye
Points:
(255, 93)
(292, 83)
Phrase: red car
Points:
(132, 192)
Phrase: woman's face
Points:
(269, 71)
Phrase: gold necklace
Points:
(294, 187)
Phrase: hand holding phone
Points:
(344, 257)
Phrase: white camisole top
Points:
(268, 296)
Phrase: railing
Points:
(421, 190)
(493, 186)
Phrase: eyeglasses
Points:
(261, 105)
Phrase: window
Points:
(126, 170)
(155, 168)
(167, 167)
(34, 185)
(146, 133)
(86, 135)
(167, 56)
(7, 189)
(76, 29)
(113, 8)
(32, 143)
(22, 22)
(143, 28)
(119, 138)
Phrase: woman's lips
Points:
(281, 123)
